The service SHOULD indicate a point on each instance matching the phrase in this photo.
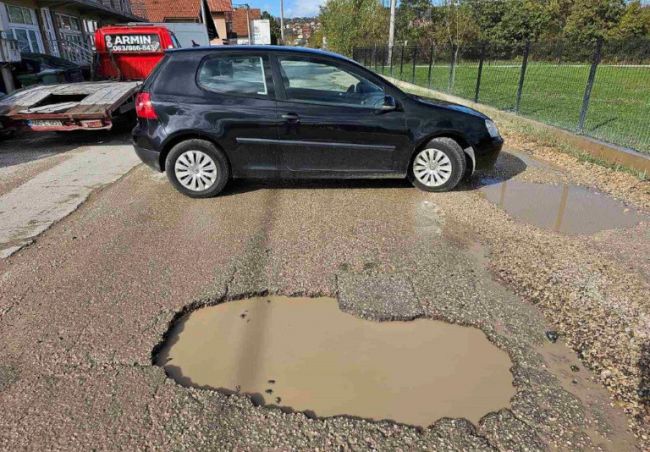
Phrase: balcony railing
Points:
(72, 51)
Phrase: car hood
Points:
(448, 106)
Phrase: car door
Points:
(240, 108)
(333, 121)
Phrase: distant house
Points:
(187, 11)
(299, 30)
(242, 19)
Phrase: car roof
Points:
(260, 48)
(132, 27)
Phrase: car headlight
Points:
(492, 128)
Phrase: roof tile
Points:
(239, 25)
(159, 10)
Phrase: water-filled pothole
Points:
(567, 209)
(307, 355)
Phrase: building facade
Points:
(187, 11)
(62, 28)
(242, 19)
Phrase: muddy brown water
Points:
(606, 423)
(307, 355)
(567, 209)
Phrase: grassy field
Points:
(618, 113)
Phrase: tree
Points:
(634, 22)
(524, 21)
(315, 41)
(487, 15)
(458, 30)
(415, 21)
(275, 27)
(352, 23)
(591, 20)
(559, 11)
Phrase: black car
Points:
(206, 115)
(47, 69)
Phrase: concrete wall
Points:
(220, 22)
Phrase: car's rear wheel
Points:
(197, 168)
(439, 166)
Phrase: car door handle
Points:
(291, 117)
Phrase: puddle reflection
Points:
(567, 209)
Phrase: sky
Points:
(292, 8)
(303, 8)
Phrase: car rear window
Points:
(234, 74)
(154, 72)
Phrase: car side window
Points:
(318, 81)
(233, 74)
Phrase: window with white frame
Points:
(71, 31)
(68, 24)
(19, 15)
(75, 46)
(90, 25)
(23, 27)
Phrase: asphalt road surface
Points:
(88, 299)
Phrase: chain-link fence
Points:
(601, 90)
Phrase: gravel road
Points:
(86, 306)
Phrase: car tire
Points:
(197, 168)
(438, 166)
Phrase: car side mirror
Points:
(390, 104)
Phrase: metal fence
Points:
(601, 90)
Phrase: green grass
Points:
(619, 111)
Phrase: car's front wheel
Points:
(439, 166)
(197, 168)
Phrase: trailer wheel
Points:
(197, 168)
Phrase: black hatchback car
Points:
(206, 115)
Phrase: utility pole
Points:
(282, 21)
(248, 23)
(391, 32)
